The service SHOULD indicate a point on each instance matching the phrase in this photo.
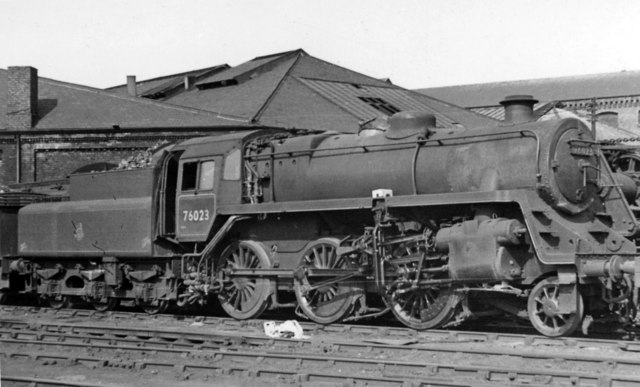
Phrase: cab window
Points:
(232, 165)
(189, 176)
(198, 175)
(207, 170)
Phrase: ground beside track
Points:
(122, 367)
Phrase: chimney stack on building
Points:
(22, 97)
(188, 82)
(132, 87)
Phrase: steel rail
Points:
(435, 335)
(185, 345)
(40, 382)
(146, 339)
(142, 343)
(402, 370)
(249, 369)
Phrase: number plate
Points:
(195, 216)
(581, 150)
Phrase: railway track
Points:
(225, 323)
(218, 347)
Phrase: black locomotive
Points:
(435, 225)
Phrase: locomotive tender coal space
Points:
(433, 225)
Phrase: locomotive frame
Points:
(266, 219)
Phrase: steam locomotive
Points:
(433, 225)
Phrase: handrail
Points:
(419, 141)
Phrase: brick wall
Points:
(54, 157)
(54, 164)
(628, 109)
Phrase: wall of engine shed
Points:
(345, 166)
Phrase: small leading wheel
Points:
(244, 297)
(155, 306)
(329, 303)
(424, 308)
(543, 309)
(105, 304)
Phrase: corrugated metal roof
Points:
(622, 83)
(497, 112)
(347, 95)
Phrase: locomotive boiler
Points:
(434, 225)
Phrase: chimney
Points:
(518, 108)
(132, 88)
(22, 97)
(188, 82)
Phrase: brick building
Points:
(614, 98)
(54, 128)
(49, 128)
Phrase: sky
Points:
(416, 44)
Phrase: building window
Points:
(608, 118)
(380, 105)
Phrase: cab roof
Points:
(219, 144)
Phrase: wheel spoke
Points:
(543, 306)
(329, 303)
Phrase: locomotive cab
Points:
(198, 177)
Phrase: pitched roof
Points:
(295, 89)
(63, 105)
(248, 70)
(242, 99)
(618, 84)
(498, 113)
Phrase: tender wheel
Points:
(59, 302)
(330, 303)
(424, 308)
(244, 297)
(543, 310)
(3, 297)
(155, 307)
(105, 305)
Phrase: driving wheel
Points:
(416, 305)
(329, 303)
(244, 297)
